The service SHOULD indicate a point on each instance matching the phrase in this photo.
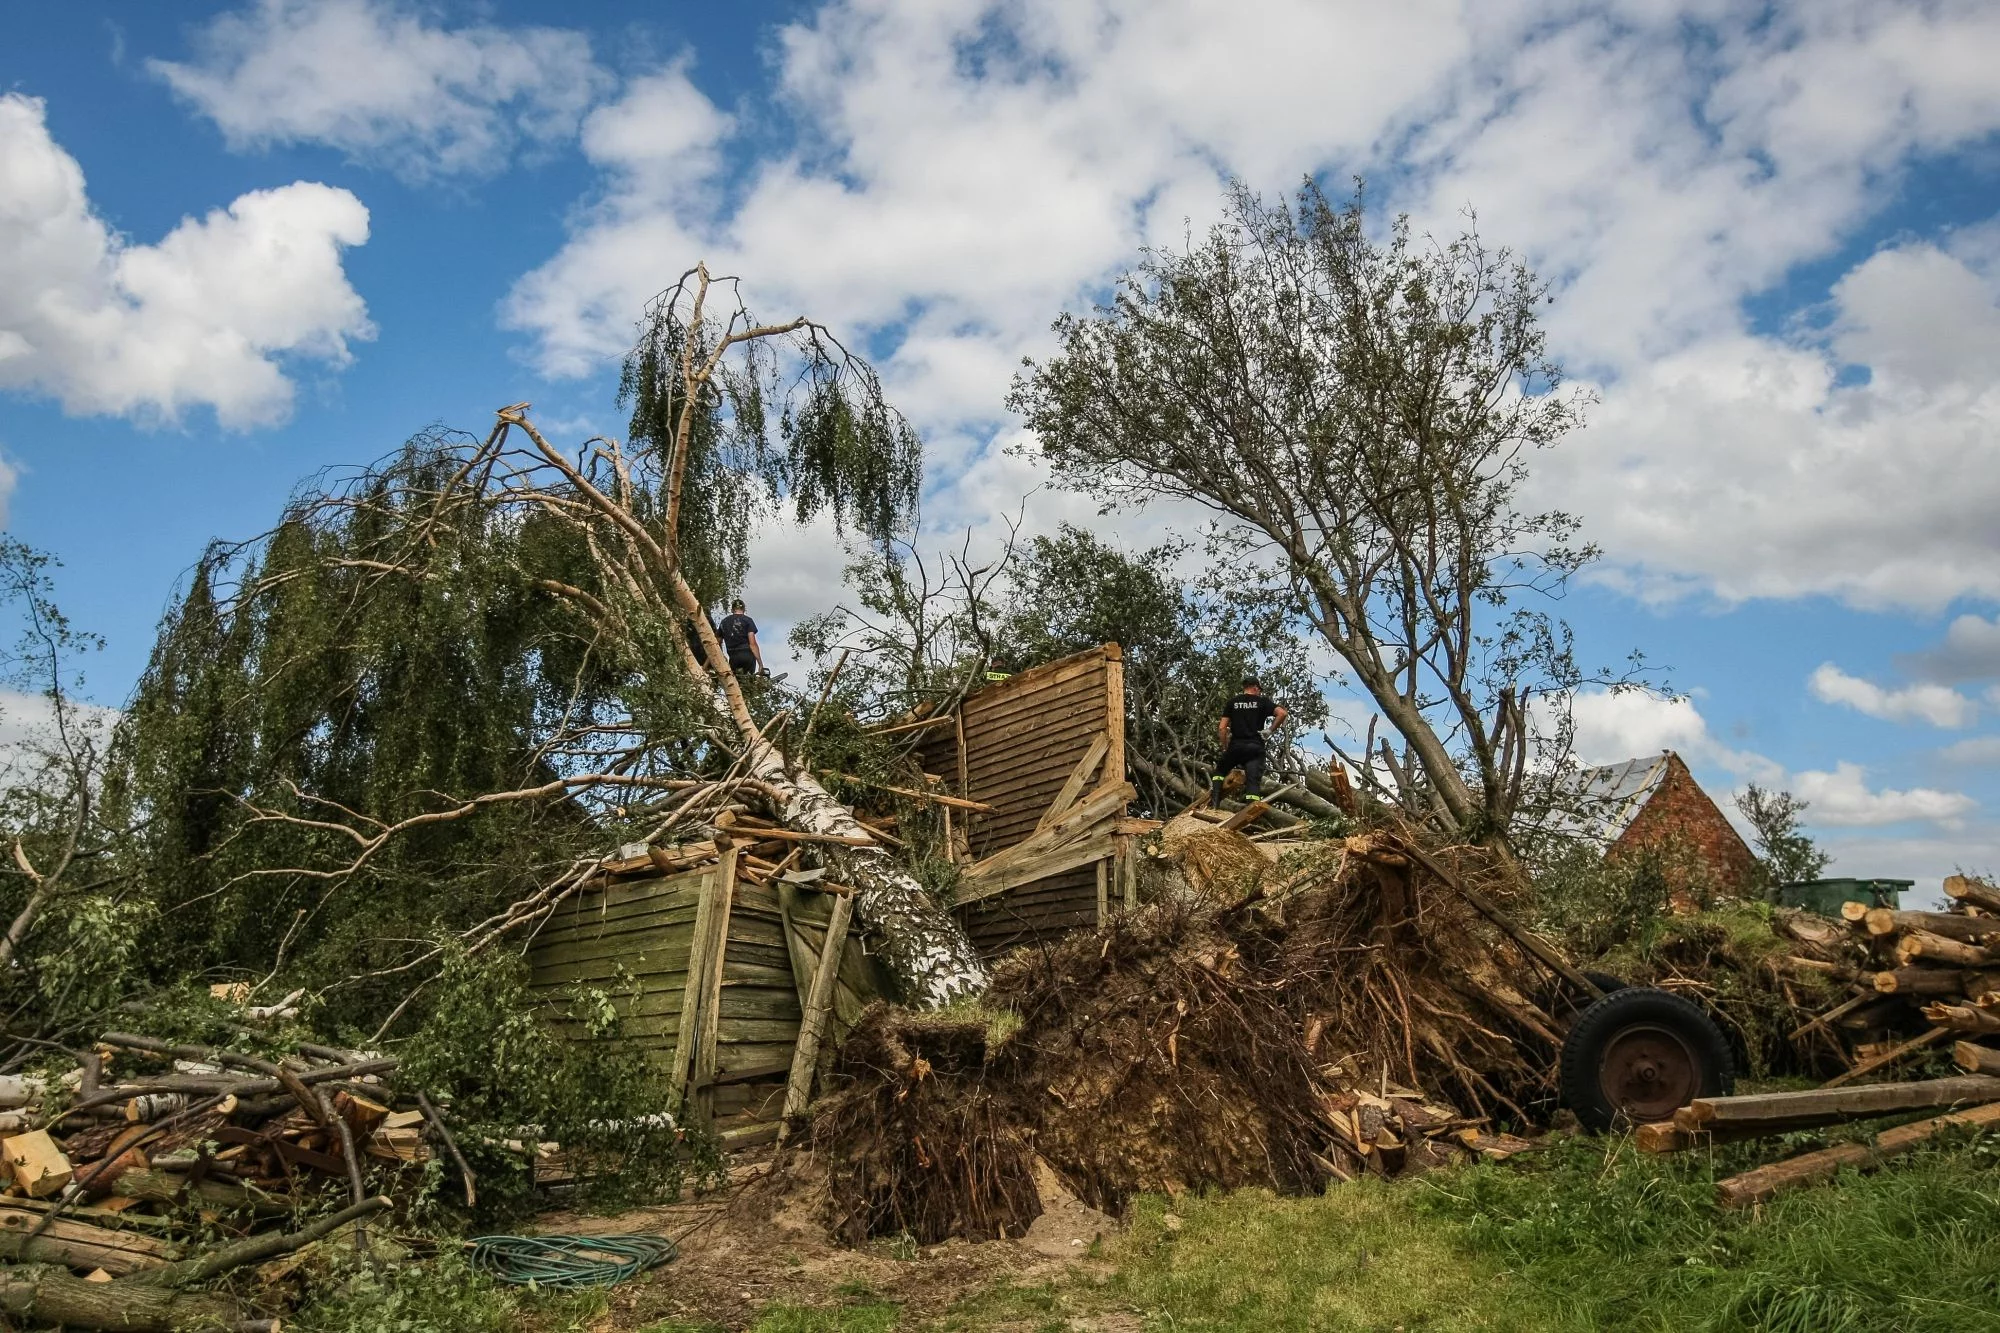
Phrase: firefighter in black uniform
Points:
(1241, 731)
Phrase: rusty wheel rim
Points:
(1649, 1072)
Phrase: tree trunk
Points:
(918, 941)
(50, 1295)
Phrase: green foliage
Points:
(1786, 854)
(378, 656)
(1594, 903)
(790, 418)
(1185, 652)
(512, 1069)
(1357, 406)
(435, 1294)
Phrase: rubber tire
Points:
(1601, 1024)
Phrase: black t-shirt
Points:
(1247, 714)
(735, 631)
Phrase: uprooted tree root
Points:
(1281, 1040)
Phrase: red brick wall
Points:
(1679, 811)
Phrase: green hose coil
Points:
(569, 1261)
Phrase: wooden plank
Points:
(818, 1005)
(1131, 875)
(990, 748)
(1073, 785)
(1000, 766)
(688, 1026)
(1766, 1182)
(710, 1017)
(1114, 711)
(1104, 885)
(1888, 1057)
(1842, 1103)
(1027, 870)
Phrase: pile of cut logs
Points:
(1939, 974)
(114, 1169)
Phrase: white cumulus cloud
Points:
(1939, 705)
(1843, 799)
(378, 81)
(206, 316)
(958, 173)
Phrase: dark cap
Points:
(736, 605)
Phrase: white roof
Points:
(1609, 798)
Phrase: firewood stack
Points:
(112, 1171)
(1936, 973)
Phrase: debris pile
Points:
(123, 1171)
(1344, 1012)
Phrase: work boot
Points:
(1215, 793)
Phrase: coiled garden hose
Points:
(570, 1261)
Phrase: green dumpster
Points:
(1826, 895)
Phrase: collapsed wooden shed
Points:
(709, 955)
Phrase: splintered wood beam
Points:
(932, 797)
(1766, 1182)
(1073, 786)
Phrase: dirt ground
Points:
(758, 1241)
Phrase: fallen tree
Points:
(430, 701)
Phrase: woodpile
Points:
(1931, 976)
(1936, 978)
(119, 1176)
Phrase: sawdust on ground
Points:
(759, 1241)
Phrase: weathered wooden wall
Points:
(720, 1028)
(1017, 745)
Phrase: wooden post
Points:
(688, 1029)
(711, 986)
(1104, 889)
(812, 1026)
(1131, 878)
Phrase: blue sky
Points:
(241, 242)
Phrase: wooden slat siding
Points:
(1016, 743)
(1035, 914)
(634, 939)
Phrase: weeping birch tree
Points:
(451, 682)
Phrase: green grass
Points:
(1584, 1235)
(1593, 1237)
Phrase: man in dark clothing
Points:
(738, 633)
(1241, 731)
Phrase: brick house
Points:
(1655, 801)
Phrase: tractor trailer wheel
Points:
(1638, 1055)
